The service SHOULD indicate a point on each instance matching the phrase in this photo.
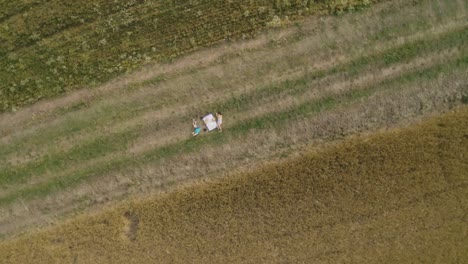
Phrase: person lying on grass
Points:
(196, 128)
(219, 121)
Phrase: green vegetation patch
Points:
(399, 54)
(274, 120)
(49, 47)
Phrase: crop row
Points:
(58, 46)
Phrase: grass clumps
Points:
(50, 47)
(398, 196)
(119, 141)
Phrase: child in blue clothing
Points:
(196, 128)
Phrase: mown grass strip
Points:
(399, 54)
(68, 128)
(407, 26)
(56, 162)
(99, 147)
(269, 121)
(406, 23)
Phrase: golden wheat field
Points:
(393, 197)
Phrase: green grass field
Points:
(295, 78)
(50, 47)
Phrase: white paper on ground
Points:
(210, 122)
